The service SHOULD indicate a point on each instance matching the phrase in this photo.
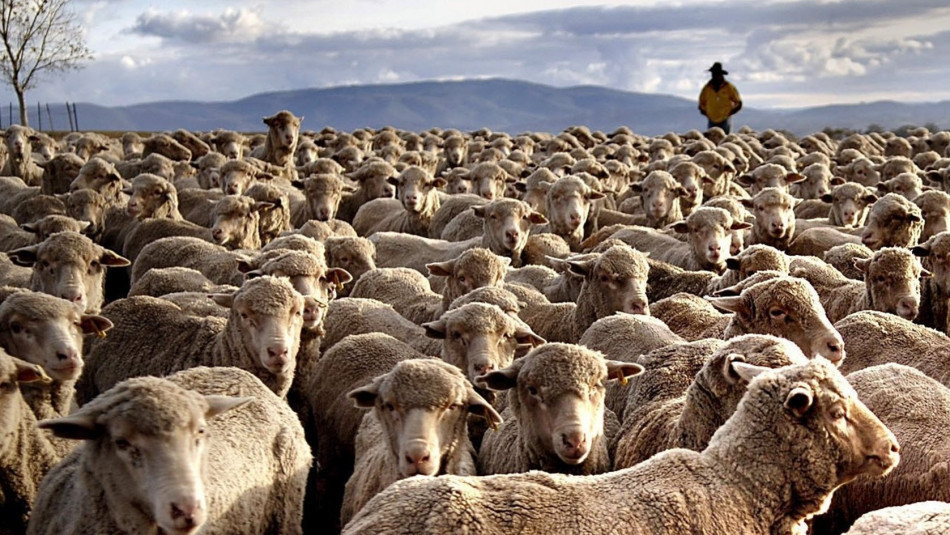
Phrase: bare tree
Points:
(39, 37)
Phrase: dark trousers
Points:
(725, 125)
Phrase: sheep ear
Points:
(393, 180)
(636, 187)
(748, 203)
(128, 190)
(799, 400)
(924, 274)
(735, 304)
(258, 206)
(479, 210)
(792, 178)
(922, 250)
(521, 186)
(882, 188)
(914, 218)
(732, 263)
(681, 191)
(869, 198)
(441, 269)
(299, 184)
(479, 407)
(536, 218)
(862, 264)
(745, 180)
(740, 225)
(729, 368)
(435, 329)
(24, 256)
(524, 335)
(680, 227)
(827, 197)
(595, 195)
(27, 372)
(30, 227)
(225, 300)
(365, 396)
(748, 372)
(339, 276)
(244, 266)
(79, 425)
(621, 371)
(503, 379)
(93, 324)
(580, 268)
(439, 182)
(111, 259)
(837, 181)
(220, 404)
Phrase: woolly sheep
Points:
(935, 291)
(690, 419)
(14, 236)
(891, 284)
(20, 162)
(261, 335)
(472, 269)
(215, 262)
(935, 208)
(71, 266)
(842, 257)
(417, 426)
(26, 454)
(372, 180)
(815, 241)
(237, 222)
(556, 409)
(660, 196)
(283, 132)
(236, 176)
(59, 172)
(717, 169)
(102, 177)
(323, 195)
(274, 210)
(230, 454)
(769, 175)
(230, 144)
(893, 221)
(88, 206)
(774, 218)
(451, 207)
(350, 315)
(818, 181)
(416, 201)
(160, 281)
(403, 288)
(614, 281)
(166, 146)
(907, 185)
(355, 255)
(916, 409)
(920, 517)
(725, 478)
(569, 202)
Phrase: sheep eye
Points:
(389, 407)
(457, 335)
(157, 192)
(122, 444)
(461, 279)
(243, 315)
(838, 413)
(6, 386)
(16, 328)
(777, 313)
(532, 391)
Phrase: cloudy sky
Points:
(779, 53)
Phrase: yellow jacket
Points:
(718, 105)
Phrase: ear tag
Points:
(622, 378)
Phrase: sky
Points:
(780, 54)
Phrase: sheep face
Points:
(659, 193)
(935, 207)
(568, 205)
(863, 172)
(19, 144)
(455, 151)
(474, 268)
(718, 172)
(416, 189)
(100, 176)
(849, 204)
(306, 153)
(51, 224)
(507, 223)
(758, 258)
(774, 214)
(423, 406)
(70, 266)
(283, 130)
(151, 196)
(377, 186)
(818, 182)
(457, 181)
(236, 179)
(479, 338)
(309, 277)
(892, 277)
(893, 221)
(14, 372)
(236, 222)
(691, 177)
(907, 185)
(151, 435)
(47, 331)
(559, 398)
(788, 307)
(166, 146)
(769, 175)
(937, 251)
(896, 166)
(87, 206)
(615, 281)
(710, 236)
(355, 255)
(488, 181)
(324, 193)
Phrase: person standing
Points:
(719, 100)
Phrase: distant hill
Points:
(501, 105)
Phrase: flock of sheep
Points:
(578, 332)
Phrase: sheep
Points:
(167, 146)
(691, 176)
(209, 170)
(161, 281)
(349, 316)
(935, 207)
(769, 175)
(416, 201)
(713, 491)
(860, 170)
(283, 132)
(774, 218)
(816, 241)
(417, 426)
(191, 142)
(26, 454)
(718, 171)
(355, 255)
(472, 269)
(660, 195)
(849, 205)
(274, 218)
(874, 338)
(372, 179)
(88, 206)
(915, 408)
(13, 236)
(935, 291)
(48, 331)
(227, 463)
(69, 265)
(261, 335)
(488, 180)
(817, 183)
(236, 176)
(230, 144)
(666, 279)
(907, 185)
(101, 177)
(449, 209)
(478, 338)
(306, 153)
(20, 162)
(708, 242)
(403, 288)
(689, 419)
(569, 202)
(152, 196)
(333, 420)
(842, 257)
(892, 222)
(920, 517)
(614, 281)
(556, 409)
(323, 192)
(734, 205)
(237, 222)
(891, 284)
(59, 172)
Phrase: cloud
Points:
(233, 25)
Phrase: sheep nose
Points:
(276, 352)
(323, 215)
(907, 308)
(637, 307)
(512, 235)
(574, 440)
(73, 296)
(67, 354)
(185, 514)
(217, 234)
(484, 367)
(490, 195)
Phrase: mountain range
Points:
(498, 104)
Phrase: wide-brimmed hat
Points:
(717, 67)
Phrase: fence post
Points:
(49, 115)
(39, 116)
(69, 116)
(75, 116)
